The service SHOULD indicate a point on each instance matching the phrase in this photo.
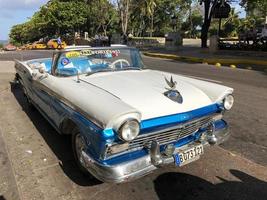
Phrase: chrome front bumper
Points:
(134, 169)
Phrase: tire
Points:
(77, 144)
(29, 101)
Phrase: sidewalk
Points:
(8, 185)
(241, 59)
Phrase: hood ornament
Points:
(172, 93)
(171, 83)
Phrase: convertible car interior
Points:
(83, 64)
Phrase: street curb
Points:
(233, 63)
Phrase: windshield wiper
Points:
(113, 70)
(102, 70)
(131, 68)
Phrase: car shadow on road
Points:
(59, 144)
(174, 186)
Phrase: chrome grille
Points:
(169, 135)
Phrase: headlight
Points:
(228, 102)
(129, 130)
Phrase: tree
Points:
(255, 8)
(101, 17)
(208, 12)
(142, 24)
(16, 34)
(209, 6)
(123, 8)
(54, 18)
(232, 24)
(150, 10)
(193, 22)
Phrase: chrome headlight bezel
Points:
(228, 102)
(133, 126)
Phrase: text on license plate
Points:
(188, 155)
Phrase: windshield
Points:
(90, 61)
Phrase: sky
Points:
(238, 8)
(13, 12)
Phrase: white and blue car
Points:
(125, 120)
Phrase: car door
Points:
(46, 94)
(42, 95)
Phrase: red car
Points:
(10, 47)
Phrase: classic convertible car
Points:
(125, 120)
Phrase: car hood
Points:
(143, 90)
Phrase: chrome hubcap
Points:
(80, 146)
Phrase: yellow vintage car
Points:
(39, 45)
(26, 47)
(52, 44)
(29, 46)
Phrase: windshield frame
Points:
(57, 55)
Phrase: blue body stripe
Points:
(163, 122)
(179, 118)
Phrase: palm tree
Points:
(150, 10)
(233, 20)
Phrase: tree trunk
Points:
(152, 25)
(204, 35)
(208, 9)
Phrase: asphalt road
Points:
(39, 162)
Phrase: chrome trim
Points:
(121, 126)
(134, 169)
(162, 133)
(155, 154)
(224, 101)
(171, 134)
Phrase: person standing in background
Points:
(59, 43)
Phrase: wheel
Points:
(29, 101)
(78, 145)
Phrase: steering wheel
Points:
(121, 61)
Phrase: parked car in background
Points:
(28, 46)
(10, 47)
(125, 120)
(38, 45)
(53, 44)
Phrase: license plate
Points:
(188, 155)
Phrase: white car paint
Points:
(111, 97)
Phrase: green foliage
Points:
(194, 21)
(1, 46)
(255, 8)
(142, 18)
(65, 17)
(59, 17)
(156, 16)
